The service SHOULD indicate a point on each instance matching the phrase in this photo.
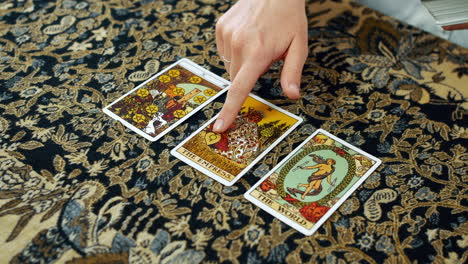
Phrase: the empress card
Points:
(306, 187)
(259, 126)
(168, 98)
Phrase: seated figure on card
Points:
(241, 141)
(176, 107)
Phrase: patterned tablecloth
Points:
(77, 187)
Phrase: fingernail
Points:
(294, 87)
(218, 126)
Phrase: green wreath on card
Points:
(310, 151)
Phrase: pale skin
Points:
(322, 169)
(250, 36)
(254, 33)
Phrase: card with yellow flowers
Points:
(165, 100)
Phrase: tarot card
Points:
(165, 100)
(307, 186)
(226, 156)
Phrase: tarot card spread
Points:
(227, 156)
(306, 187)
(158, 105)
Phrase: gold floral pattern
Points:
(77, 187)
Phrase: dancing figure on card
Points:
(325, 169)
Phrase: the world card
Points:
(226, 156)
(165, 100)
(306, 187)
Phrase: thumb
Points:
(292, 68)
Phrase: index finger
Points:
(237, 93)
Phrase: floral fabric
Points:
(77, 187)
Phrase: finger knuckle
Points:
(258, 51)
(238, 40)
(220, 28)
(221, 22)
(228, 32)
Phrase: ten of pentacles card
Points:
(225, 157)
(307, 186)
(161, 103)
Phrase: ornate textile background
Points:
(77, 187)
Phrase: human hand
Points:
(250, 36)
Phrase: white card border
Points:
(246, 169)
(325, 217)
(188, 65)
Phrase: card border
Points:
(325, 217)
(188, 65)
(246, 169)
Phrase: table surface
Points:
(77, 186)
